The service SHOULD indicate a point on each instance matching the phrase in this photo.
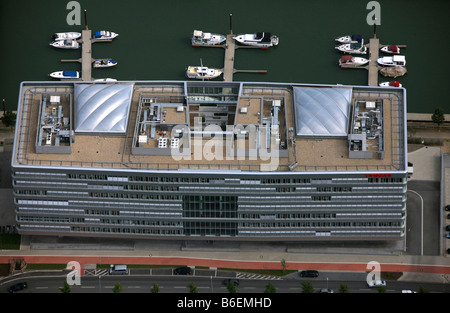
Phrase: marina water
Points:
(154, 41)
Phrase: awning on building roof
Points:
(102, 108)
(322, 112)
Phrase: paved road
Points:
(356, 283)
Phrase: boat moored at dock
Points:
(396, 60)
(66, 35)
(66, 44)
(203, 72)
(394, 83)
(393, 71)
(353, 48)
(200, 38)
(349, 39)
(105, 35)
(390, 49)
(351, 61)
(100, 63)
(65, 75)
(263, 39)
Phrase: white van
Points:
(118, 270)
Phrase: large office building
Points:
(210, 161)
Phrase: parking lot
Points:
(429, 191)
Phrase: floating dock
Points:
(228, 66)
(373, 68)
(230, 49)
(86, 55)
(86, 59)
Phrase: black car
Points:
(447, 228)
(17, 287)
(185, 270)
(309, 273)
(232, 281)
(447, 207)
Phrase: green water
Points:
(154, 41)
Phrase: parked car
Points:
(231, 280)
(447, 227)
(447, 207)
(309, 273)
(17, 287)
(448, 216)
(118, 270)
(325, 290)
(376, 283)
(185, 270)
(448, 251)
(447, 235)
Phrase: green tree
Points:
(422, 290)
(438, 116)
(9, 118)
(192, 288)
(381, 289)
(283, 264)
(270, 288)
(155, 288)
(343, 288)
(117, 288)
(231, 287)
(307, 287)
(65, 288)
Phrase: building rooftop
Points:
(171, 125)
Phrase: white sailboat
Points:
(105, 35)
(349, 39)
(396, 60)
(351, 61)
(65, 75)
(263, 39)
(66, 44)
(200, 38)
(66, 35)
(353, 48)
(99, 63)
(202, 72)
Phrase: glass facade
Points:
(188, 206)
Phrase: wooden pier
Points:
(86, 55)
(228, 66)
(230, 49)
(374, 47)
(373, 66)
(86, 59)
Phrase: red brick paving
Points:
(235, 264)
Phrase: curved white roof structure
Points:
(102, 108)
(322, 111)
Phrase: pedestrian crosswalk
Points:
(96, 272)
(241, 275)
